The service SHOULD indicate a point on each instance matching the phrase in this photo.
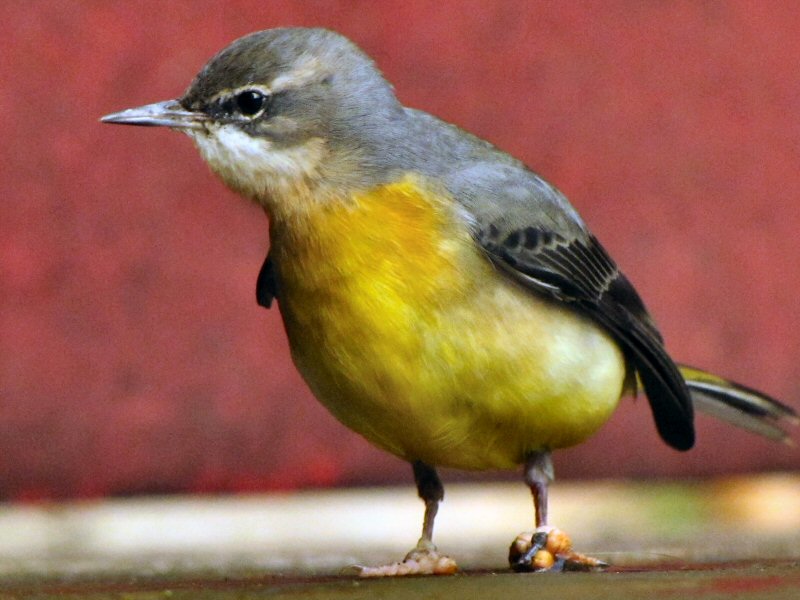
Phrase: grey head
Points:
(290, 85)
(281, 109)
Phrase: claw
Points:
(528, 552)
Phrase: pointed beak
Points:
(164, 114)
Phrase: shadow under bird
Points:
(439, 298)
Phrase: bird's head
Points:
(282, 110)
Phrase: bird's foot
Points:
(422, 560)
(549, 549)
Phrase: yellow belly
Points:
(408, 334)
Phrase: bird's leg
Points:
(538, 476)
(424, 559)
(431, 491)
(546, 548)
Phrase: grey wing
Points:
(531, 232)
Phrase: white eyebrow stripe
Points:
(308, 69)
(228, 92)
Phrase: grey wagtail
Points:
(439, 298)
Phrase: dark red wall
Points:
(133, 357)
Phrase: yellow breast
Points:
(408, 334)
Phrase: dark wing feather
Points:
(266, 284)
(579, 272)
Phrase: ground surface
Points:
(715, 539)
(775, 580)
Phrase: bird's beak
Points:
(165, 114)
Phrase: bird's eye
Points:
(250, 102)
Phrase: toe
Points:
(549, 549)
(416, 562)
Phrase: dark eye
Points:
(250, 102)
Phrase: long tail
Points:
(739, 405)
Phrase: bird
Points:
(439, 298)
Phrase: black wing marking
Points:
(266, 284)
(580, 272)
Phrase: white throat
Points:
(254, 166)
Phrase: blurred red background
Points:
(133, 357)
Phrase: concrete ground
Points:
(738, 536)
